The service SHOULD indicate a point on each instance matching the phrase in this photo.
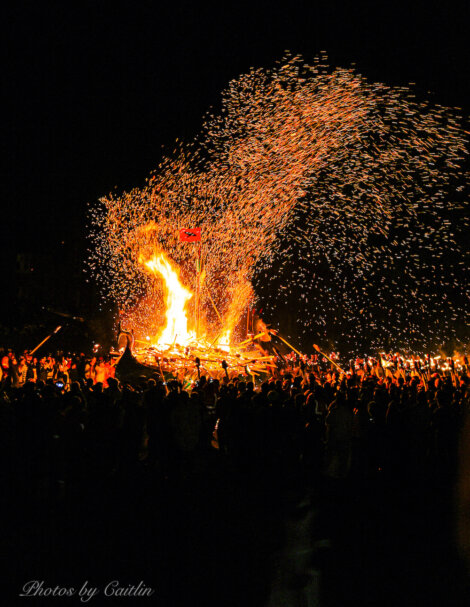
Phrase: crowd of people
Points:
(381, 416)
(18, 369)
(68, 421)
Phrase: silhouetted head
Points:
(113, 383)
(274, 398)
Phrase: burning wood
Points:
(182, 351)
(184, 362)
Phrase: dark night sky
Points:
(92, 91)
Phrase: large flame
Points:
(176, 297)
(180, 327)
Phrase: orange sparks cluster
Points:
(305, 167)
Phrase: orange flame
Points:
(223, 342)
(179, 325)
(176, 297)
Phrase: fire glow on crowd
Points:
(304, 167)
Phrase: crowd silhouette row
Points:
(66, 417)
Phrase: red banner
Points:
(193, 235)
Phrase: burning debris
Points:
(200, 357)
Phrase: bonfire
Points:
(184, 349)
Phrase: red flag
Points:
(193, 235)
